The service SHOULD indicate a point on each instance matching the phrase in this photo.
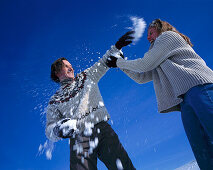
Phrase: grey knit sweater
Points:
(174, 68)
(79, 99)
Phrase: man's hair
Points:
(163, 26)
(56, 68)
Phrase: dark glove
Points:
(111, 61)
(65, 132)
(125, 40)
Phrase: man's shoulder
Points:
(55, 97)
(81, 75)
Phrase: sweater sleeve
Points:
(52, 117)
(166, 45)
(97, 71)
(139, 78)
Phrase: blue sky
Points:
(35, 33)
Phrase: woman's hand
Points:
(125, 40)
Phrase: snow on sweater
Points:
(174, 68)
(79, 99)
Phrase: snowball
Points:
(139, 26)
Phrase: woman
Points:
(182, 81)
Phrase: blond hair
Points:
(163, 26)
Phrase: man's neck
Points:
(67, 80)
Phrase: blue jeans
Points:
(197, 117)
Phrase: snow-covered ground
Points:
(189, 166)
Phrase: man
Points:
(77, 111)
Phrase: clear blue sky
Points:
(35, 33)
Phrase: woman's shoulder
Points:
(171, 36)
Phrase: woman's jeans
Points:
(197, 117)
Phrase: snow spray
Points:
(139, 26)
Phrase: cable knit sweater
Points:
(174, 68)
(79, 99)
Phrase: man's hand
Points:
(125, 40)
(65, 128)
(111, 61)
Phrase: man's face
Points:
(66, 71)
(152, 34)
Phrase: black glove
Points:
(111, 61)
(60, 132)
(125, 40)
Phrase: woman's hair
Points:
(163, 26)
(56, 68)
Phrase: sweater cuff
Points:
(112, 52)
(115, 52)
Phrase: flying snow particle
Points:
(139, 26)
(47, 147)
(88, 128)
(49, 154)
(40, 147)
(93, 145)
(119, 164)
(78, 148)
(82, 159)
(85, 154)
(112, 122)
(105, 118)
(101, 103)
(92, 116)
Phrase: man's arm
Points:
(139, 78)
(100, 68)
(58, 127)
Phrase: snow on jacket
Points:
(79, 99)
(173, 66)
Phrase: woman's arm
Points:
(139, 78)
(166, 45)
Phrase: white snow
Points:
(47, 147)
(92, 116)
(119, 164)
(88, 128)
(101, 103)
(82, 159)
(49, 154)
(78, 148)
(105, 118)
(139, 26)
(67, 126)
(93, 145)
(71, 111)
(40, 148)
(112, 122)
